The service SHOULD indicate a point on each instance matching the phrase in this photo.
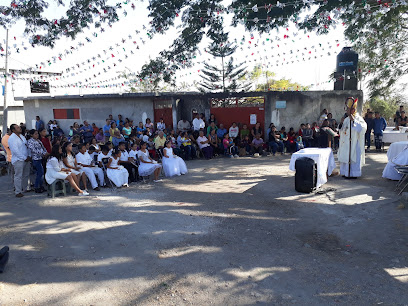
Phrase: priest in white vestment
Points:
(351, 155)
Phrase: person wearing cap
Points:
(351, 152)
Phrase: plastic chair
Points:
(57, 188)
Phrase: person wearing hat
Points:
(351, 152)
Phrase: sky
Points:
(126, 46)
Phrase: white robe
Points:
(357, 156)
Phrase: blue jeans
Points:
(39, 173)
(276, 146)
(189, 151)
(368, 139)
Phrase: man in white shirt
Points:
(204, 145)
(126, 161)
(20, 159)
(84, 159)
(198, 123)
(184, 125)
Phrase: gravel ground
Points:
(231, 232)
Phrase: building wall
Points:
(93, 110)
(305, 107)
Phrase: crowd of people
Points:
(124, 152)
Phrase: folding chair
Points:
(159, 153)
(105, 162)
(403, 170)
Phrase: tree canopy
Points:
(376, 28)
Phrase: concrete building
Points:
(282, 108)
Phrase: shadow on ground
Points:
(230, 232)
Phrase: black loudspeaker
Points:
(306, 175)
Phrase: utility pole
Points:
(5, 89)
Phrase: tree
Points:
(226, 77)
(270, 83)
(386, 108)
(46, 31)
(377, 28)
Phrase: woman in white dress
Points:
(117, 174)
(147, 165)
(68, 158)
(172, 164)
(55, 171)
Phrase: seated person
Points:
(187, 146)
(159, 141)
(56, 171)
(244, 131)
(133, 151)
(92, 152)
(299, 143)
(147, 165)
(76, 140)
(245, 146)
(115, 172)
(204, 145)
(151, 147)
(103, 155)
(140, 130)
(117, 138)
(234, 132)
(291, 142)
(213, 138)
(172, 164)
(161, 126)
(307, 136)
(211, 127)
(127, 162)
(275, 142)
(403, 119)
(85, 161)
(229, 147)
(100, 138)
(257, 145)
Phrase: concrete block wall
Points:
(93, 110)
(305, 107)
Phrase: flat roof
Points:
(177, 95)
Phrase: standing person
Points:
(45, 140)
(403, 120)
(95, 129)
(351, 152)
(379, 126)
(212, 119)
(370, 126)
(106, 129)
(120, 120)
(398, 115)
(147, 165)
(113, 130)
(308, 136)
(4, 142)
(39, 124)
(198, 124)
(87, 131)
(323, 116)
(37, 152)
(20, 159)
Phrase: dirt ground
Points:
(231, 232)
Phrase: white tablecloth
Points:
(390, 136)
(397, 155)
(324, 159)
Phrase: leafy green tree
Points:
(377, 28)
(386, 107)
(270, 83)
